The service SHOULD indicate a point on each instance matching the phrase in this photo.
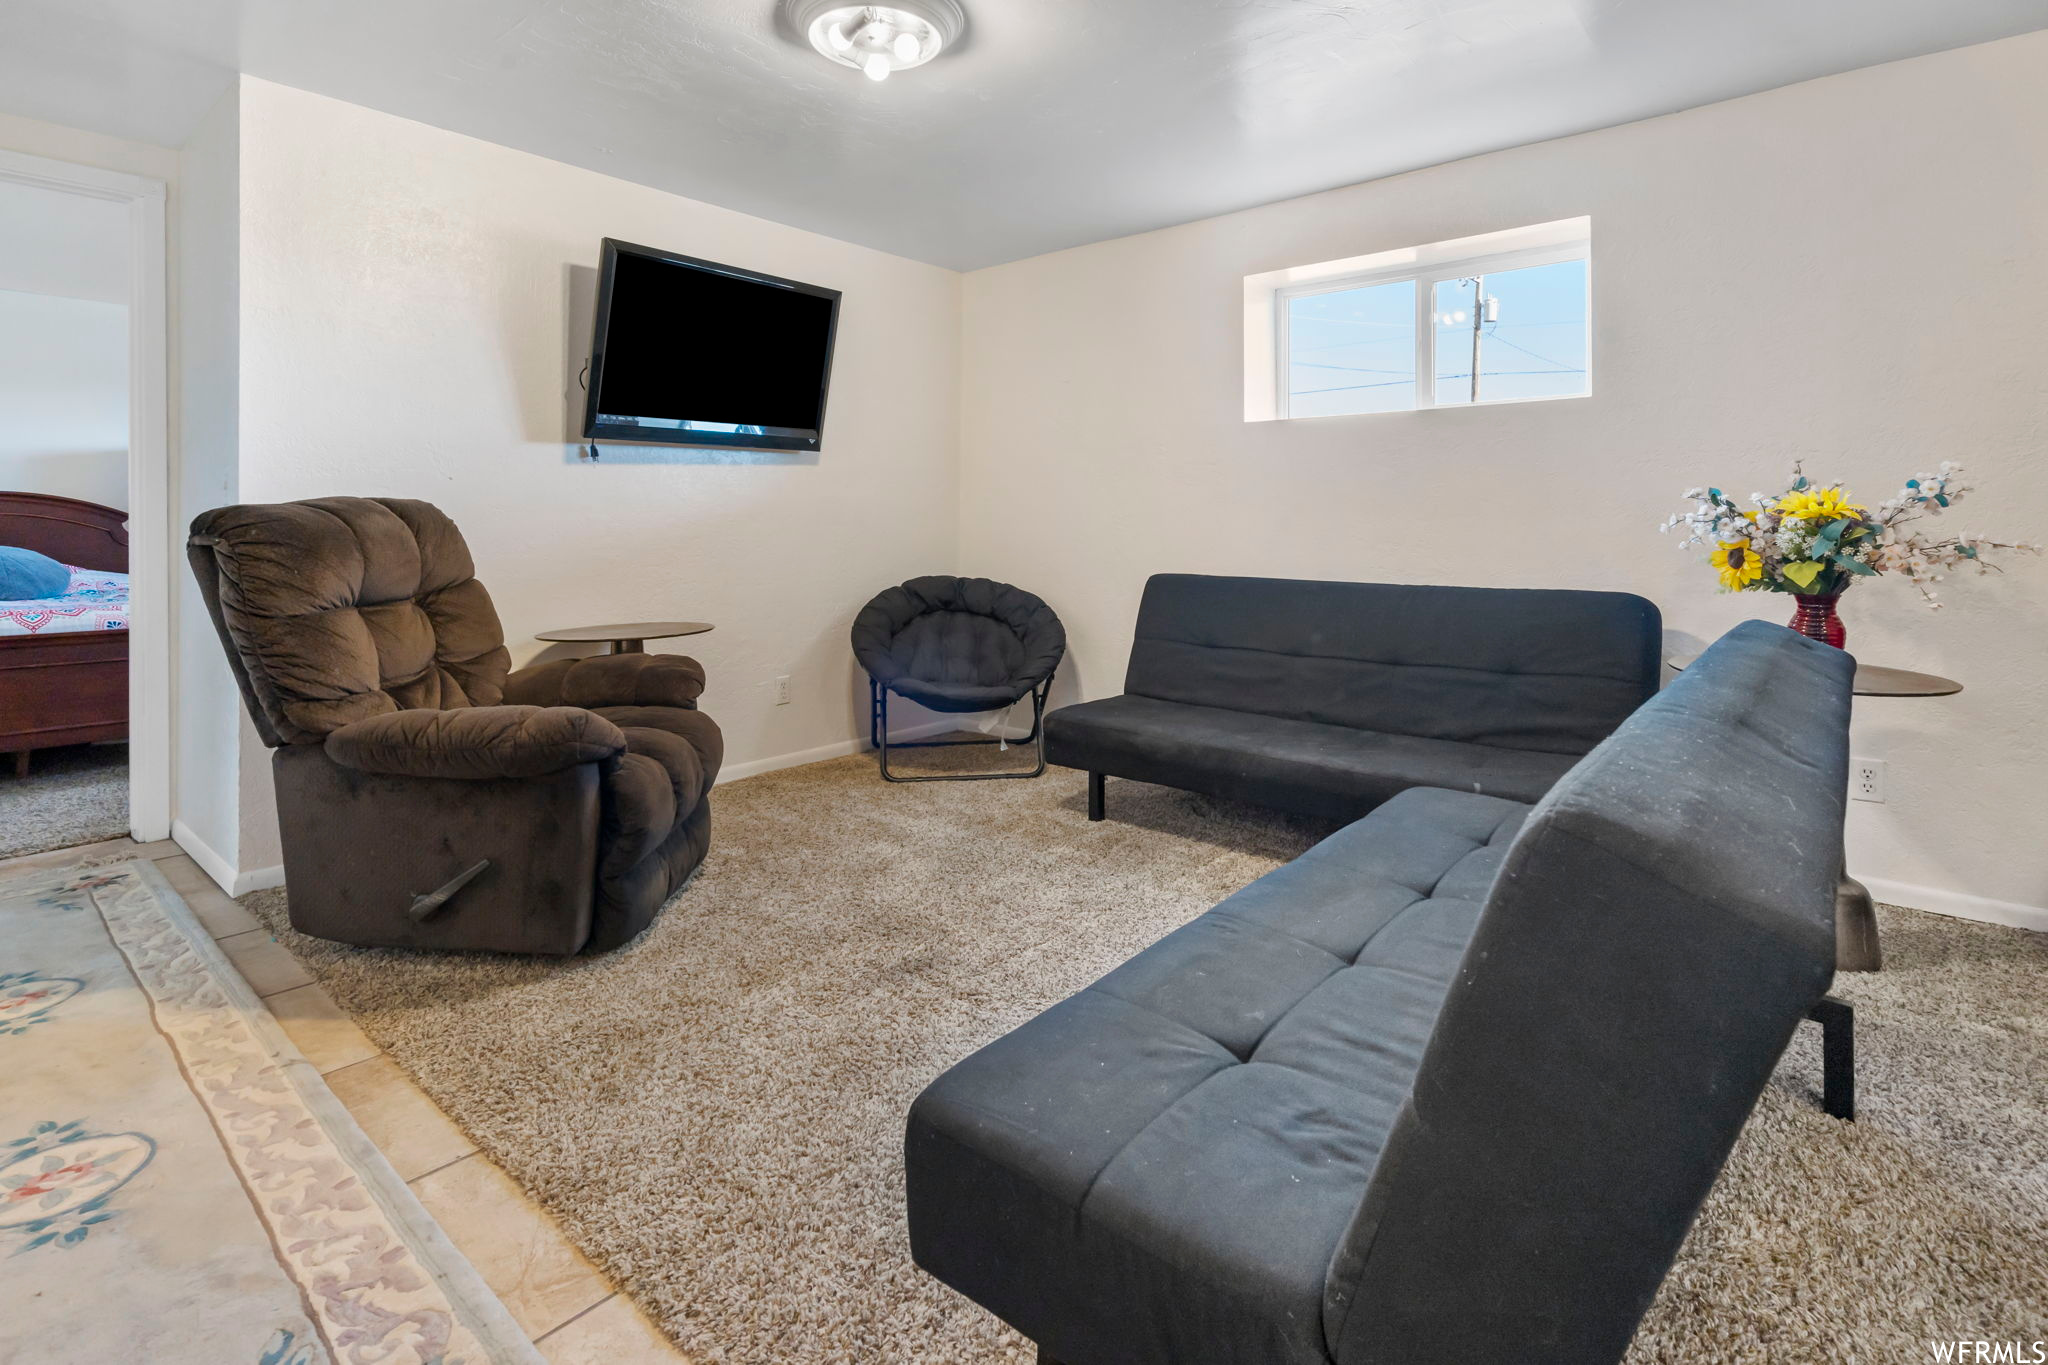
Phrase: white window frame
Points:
(1269, 298)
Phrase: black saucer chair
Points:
(957, 645)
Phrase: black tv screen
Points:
(695, 353)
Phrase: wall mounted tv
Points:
(695, 353)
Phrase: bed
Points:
(64, 660)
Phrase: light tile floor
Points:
(564, 1302)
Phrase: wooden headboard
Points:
(68, 530)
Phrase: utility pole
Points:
(1484, 310)
(1478, 316)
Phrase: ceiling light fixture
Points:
(879, 39)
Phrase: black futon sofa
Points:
(1328, 698)
(1449, 1087)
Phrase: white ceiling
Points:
(1056, 122)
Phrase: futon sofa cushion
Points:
(1658, 929)
(1328, 698)
(1197, 1127)
(1450, 1086)
(1328, 770)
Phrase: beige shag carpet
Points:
(715, 1112)
(74, 795)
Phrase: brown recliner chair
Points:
(426, 799)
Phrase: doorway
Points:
(84, 495)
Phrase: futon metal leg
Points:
(1837, 1020)
(1095, 782)
(1856, 944)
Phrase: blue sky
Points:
(1353, 350)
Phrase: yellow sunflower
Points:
(1818, 505)
(1739, 565)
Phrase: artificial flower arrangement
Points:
(1813, 541)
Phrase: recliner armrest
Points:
(610, 680)
(477, 742)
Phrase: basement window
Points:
(1499, 318)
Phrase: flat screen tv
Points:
(695, 353)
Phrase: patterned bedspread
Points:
(96, 600)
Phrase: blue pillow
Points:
(25, 574)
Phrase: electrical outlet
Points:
(1866, 779)
(782, 690)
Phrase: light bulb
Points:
(878, 40)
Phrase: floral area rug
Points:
(176, 1183)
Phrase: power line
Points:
(1534, 356)
(1348, 369)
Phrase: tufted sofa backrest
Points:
(337, 609)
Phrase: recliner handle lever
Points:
(423, 906)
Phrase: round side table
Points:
(629, 638)
(1856, 945)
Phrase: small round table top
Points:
(633, 630)
(1875, 680)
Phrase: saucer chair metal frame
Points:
(897, 611)
(878, 737)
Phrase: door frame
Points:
(149, 473)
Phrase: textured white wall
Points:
(64, 388)
(405, 295)
(207, 790)
(1849, 270)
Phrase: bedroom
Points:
(64, 499)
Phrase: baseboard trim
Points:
(1957, 904)
(734, 772)
(755, 767)
(259, 879)
(225, 876)
(201, 852)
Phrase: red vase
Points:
(1814, 617)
